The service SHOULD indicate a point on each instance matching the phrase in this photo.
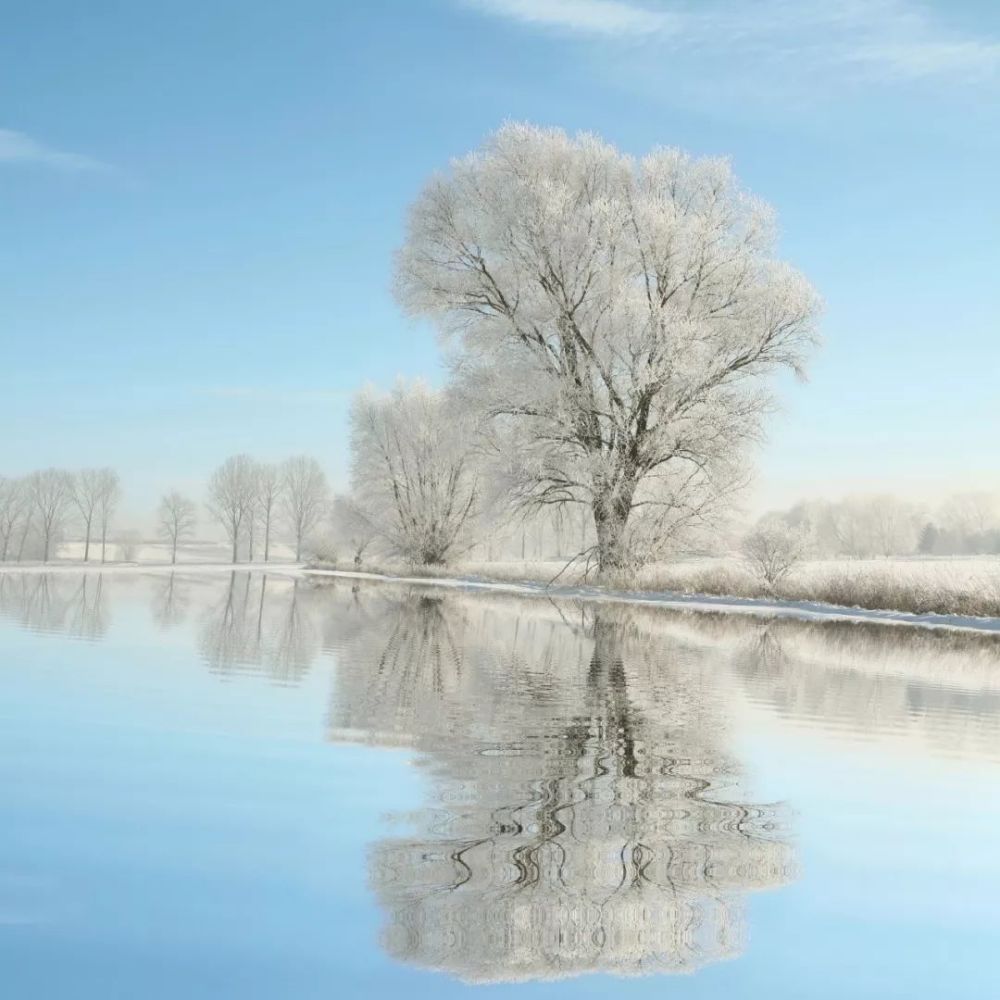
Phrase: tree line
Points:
(36, 509)
(253, 502)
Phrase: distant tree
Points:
(14, 513)
(773, 549)
(304, 496)
(269, 484)
(352, 527)
(108, 497)
(177, 517)
(928, 539)
(617, 320)
(412, 471)
(128, 546)
(895, 525)
(51, 492)
(90, 487)
(231, 491)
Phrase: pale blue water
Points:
(224, 786)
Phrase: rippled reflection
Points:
(585, 808)
(261, 623)
(587, 816)
(74, 605)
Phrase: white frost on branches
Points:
(413, 472)
(616, 319)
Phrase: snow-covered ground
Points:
(760, 607)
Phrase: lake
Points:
(237, 785)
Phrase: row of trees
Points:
(251, 501)
(613, 327)
(886, 525)
(35, 511)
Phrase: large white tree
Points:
(412, 472)
(305, 497)
(616, 318)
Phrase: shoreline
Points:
(698, 603)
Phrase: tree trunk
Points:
(86, 545)
(236, 554)
(267, 536)
(610, 521)
(173, 552)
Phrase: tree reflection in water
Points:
(261, 623)
(588, 817)
(75, 604)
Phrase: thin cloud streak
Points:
(614, 18)
(19, 148)
(888, 39)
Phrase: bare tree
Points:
(51, 492)
(90, 487)
(128, 546)
(177, 516)
(352, 527)
(230, 497)
(304, 497)
(269, 490)
(773, 548)
(616, 319)
(412, 471)
(14, 513)
(109, 495)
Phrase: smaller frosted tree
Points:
(231, 492)
(773, 549)
(269, 484)
(412, 471)
(352, 527)
(177, 516)
(14, 514)
(51, 492)
(305, 495)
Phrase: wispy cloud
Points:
(593, 17)
(18, 148)
(859, 39)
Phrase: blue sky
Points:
(200, 204)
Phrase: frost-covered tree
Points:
(91, 490)
(51, 492)
(109, 494)
(305, 495)
(616, 318)
(15, 509)
(231, 492)
(269, 487)
(177, 516)
(352, 527)
(773, 549)
(412, 471)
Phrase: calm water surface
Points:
(247, 786)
